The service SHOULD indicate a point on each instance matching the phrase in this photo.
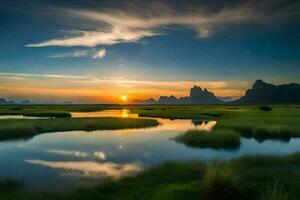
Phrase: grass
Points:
(217, 138)
(52, 110)
(22, 128)
(282, 122)
(248, 177)
(221, 183)
(277, 194)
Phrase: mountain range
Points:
(9, 102)
(260, 93)
(197, 96)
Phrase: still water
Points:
(57, 161)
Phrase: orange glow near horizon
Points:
(107, 91)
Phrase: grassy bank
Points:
(52, 110)
(282, 122)
(248, 177)
(217, 138)
(22, 128)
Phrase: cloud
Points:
(40, 87)
(74, 54)
(99, 54)
(91, 168)
(42, 75)
(94, 53)
(113, 26)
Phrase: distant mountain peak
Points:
(262, 92)
(259, 83)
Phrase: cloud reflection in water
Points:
(91, 168)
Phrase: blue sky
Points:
(229, 42)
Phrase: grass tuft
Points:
(277, 194)
(218, 138)
(221, 183)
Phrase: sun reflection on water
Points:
(124, 113)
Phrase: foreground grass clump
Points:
(248, 177)
(277, 194)
(221, 183)
(22, 128)
(217, 138)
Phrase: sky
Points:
(97, 51)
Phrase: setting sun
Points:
(124, 98)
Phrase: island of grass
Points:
(23, 128)
(217, 138)
(246, 178)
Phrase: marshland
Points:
(150, 152)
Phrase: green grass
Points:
(282, 122)
(52, 110)
(249, 177)
(22, 128)
(221, 183)
(277, 194)
(217, 138)
(195, 180)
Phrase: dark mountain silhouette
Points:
(197, 96)
(168, 100)
(67, 102)
(26, 101)
(4, 101)
(262, 93)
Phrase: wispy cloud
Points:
(74, 54)
(99, 54)
(94, 53)
(43, 75)
(131, 25)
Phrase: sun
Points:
(124, 98)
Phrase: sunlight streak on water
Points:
(124, 113)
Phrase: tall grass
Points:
(196, 180)
(277, 193)
(221, 183)
(217, 138)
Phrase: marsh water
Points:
(56, 161)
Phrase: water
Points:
(57, 161)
